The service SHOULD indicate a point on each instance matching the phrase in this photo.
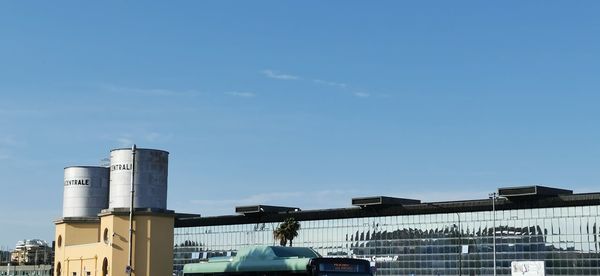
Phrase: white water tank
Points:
(150, 185)
(85, 191)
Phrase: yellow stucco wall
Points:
(81, 259)
(72, 253)
(152, 246)
(82, 233)
(162, 244)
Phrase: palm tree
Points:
(278, 235)
(286, 231)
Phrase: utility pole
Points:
(129, 268)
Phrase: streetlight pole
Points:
(129, 268)
(494, 195)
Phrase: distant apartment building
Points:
(31, 252)
(30, 257)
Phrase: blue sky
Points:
(303, 104)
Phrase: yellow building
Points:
(100, 246)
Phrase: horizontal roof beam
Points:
(382, 201)
(256, 209)
(529, 191)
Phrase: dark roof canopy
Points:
(382, 201)
(537, 197)
(532, 191)
(254, 209)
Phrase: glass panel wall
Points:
(565, 238)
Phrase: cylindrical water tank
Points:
(150, 185)
(85, 191)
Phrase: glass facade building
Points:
(448, 238)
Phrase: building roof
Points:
(541, 200)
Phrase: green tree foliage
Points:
(286, 231)
(278, 235)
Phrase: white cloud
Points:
(362, 94)
(241, 94)
(125, 141)
(344, 86)
(276, 75)
(330, 83)
(148, 91)
(152, 136)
